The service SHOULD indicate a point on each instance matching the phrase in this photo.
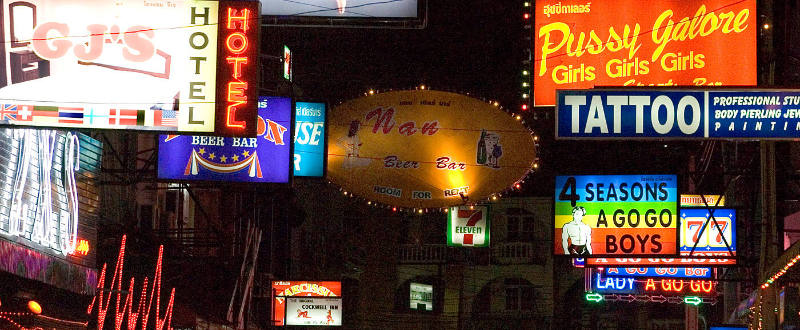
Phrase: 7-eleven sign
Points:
(468, 226)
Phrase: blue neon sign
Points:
(309, 139)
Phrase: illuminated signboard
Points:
(605, 215)
(264, 158)
(287, 63)
(237, 68)
(653, 286)
(711, 249)
(622, 43)
(468, 226)
(719, 237)
(309, 139)
(677, 272)
(84, 59)
(340, 8)
(283, 289)
(313, 311)
(421, 296)
(50, 206)
(685, 114)
(426, 149)
(702, 200)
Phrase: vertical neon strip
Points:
(70, 165)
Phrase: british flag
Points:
(8, 112)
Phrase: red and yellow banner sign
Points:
(283, 289)
(582, 44)
(426, 149)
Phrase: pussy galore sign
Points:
(176, 66)
(582, 44)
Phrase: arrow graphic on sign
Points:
(474, 216)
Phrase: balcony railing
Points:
(422, 254)
(191, 242)
(500, 254)
(520, 253)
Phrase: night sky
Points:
(471, 47)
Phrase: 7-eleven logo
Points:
(468, 226)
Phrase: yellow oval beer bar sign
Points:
(426, 149)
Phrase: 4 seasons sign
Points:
(468, 226)
(702, 242)
(582, 44)
(680, 114)
(192, 64)
(607, 215)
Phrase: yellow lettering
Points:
(740, 22)
(578, 50)
(681, 30)
(559, 77)
(597, 48)
(546, 46)
(665, 34)
(728, 18)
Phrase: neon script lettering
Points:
(31, 214)
(384, 122)
(558, 38)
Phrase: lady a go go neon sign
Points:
(40, 201)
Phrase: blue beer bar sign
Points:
(677, 114)
(263, 158)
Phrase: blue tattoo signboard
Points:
(264, 158)
(683, 114)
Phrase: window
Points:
(520, 295)
(520, 225)
(23, 19)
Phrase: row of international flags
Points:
(98, 117)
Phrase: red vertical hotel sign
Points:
(237, 75)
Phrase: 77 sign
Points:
(468, 226)
(700, 233)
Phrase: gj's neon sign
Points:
(42, 204)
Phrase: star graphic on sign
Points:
(246, 153)
(202, 151)
(211, 156)
(235, 158)
(708, 248)
(223, 159)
